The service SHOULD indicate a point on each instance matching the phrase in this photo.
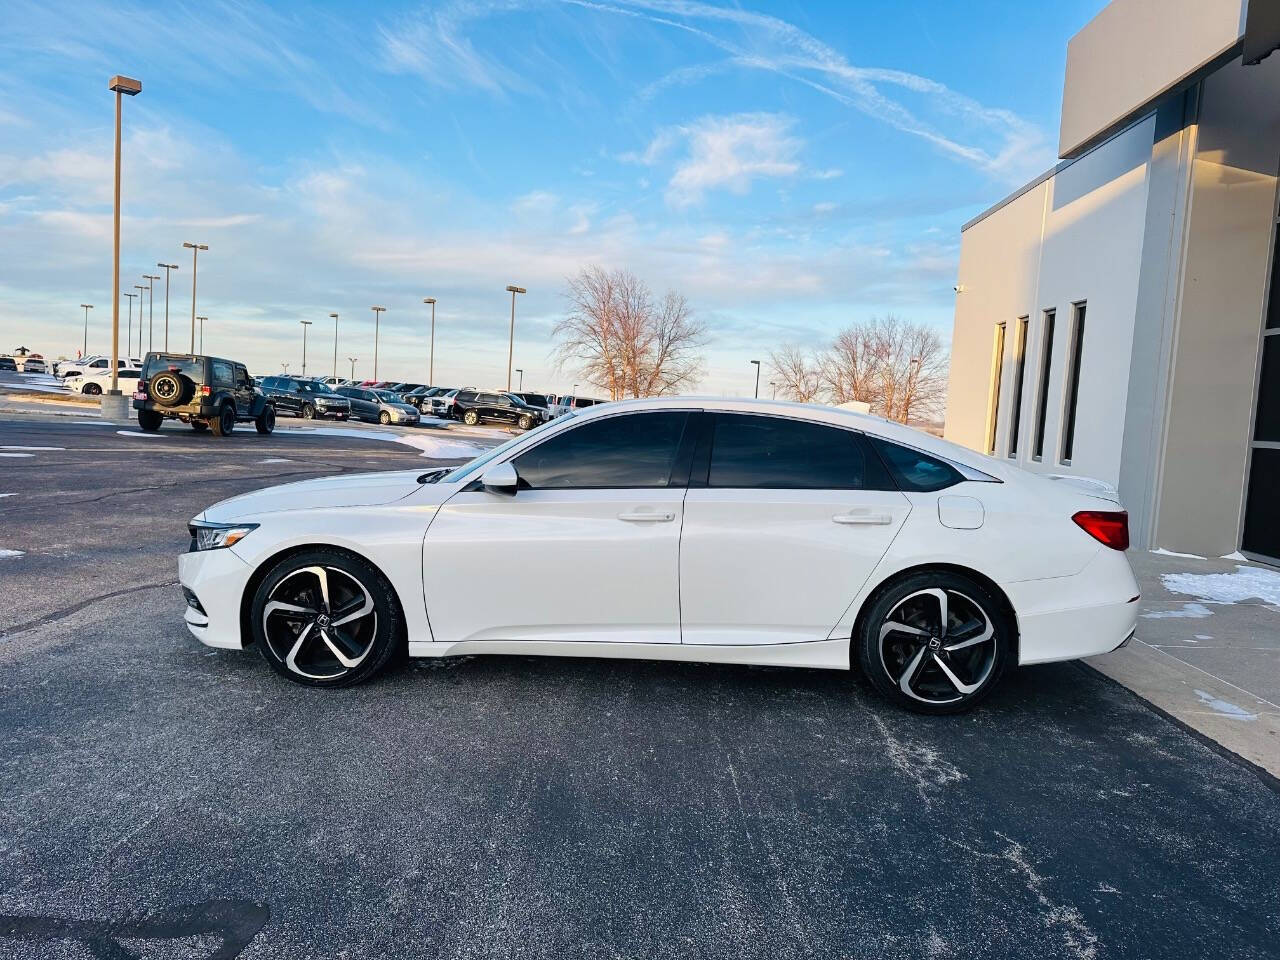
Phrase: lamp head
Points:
(125, 85)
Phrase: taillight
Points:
(205, 390)
(1109, 527)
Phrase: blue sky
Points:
(790, 167)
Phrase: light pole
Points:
(335, 345)
(202, 320)
(151, 308)
(167, 267)
(122, 87)
(353, 368)
(431, 365)
(284, 364)
(128, 337)
(521, 372)
(305, 324)
(757, 363)
(775, 389)
(195, 249)
(377, 316)
(87, 307)
(511, 341)
(140, 288)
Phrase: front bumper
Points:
(216, 578)
(399, 416)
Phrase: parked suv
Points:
(473, 407)
(305, 398)
(206, 392)
(539, 400)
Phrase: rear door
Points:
(783, 523)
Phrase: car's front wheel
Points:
(935, 642)
(265, 422)
(225, 422)
(308, 412)
(92, 389)
(471, 418)
(325, 618)
(384, 418)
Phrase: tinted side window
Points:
(913, 470)
(636, 450)
(221, 371)
(774, 453)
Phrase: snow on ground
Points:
(16, 447)
(1225, 707)
(276, 460)
(1193, 611)
(1161, 551)
(17, 454)
(136, 433)
(3, 495)
(1247, 583)
(36, 383)
(441, 448)
(10, 553)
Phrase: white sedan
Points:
(96, 382)
(723, 531)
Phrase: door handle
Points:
(864, 517)
(645, 516)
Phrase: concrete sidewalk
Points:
(1207, 650)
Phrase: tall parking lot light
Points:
(335, 345)
(431, 364)
(195, 249)
(122, 87)
(151, 279)
(353, 368)
(377, 316)
(128, 337)
(305, 324)
(140, 288)
(202, 320)
(511, 339)
(84, 352)
(167, 267)
(757, 363)
(521, 372)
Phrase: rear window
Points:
(915, 471)
(184, 365)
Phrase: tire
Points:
(471, 418)
(171, 389)
(342, 416)
(308, 412)
(384, 418)
(200, 426)
(906, 665)
(362, 603)
(525, 422)
(149, 420)
(225, 422)
(91, 389)
(265, 422)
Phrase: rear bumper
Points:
(1065, 618)
(217, 578)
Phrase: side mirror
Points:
(501, 478)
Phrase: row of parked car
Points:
(23, 363)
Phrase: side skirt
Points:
(823, 654)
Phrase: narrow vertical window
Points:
(1046, 367)
(993, 397)
(1019, 374)
(1073, 381)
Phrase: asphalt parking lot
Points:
(163, 799)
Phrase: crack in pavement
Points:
(9, 633)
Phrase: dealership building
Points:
(1117, 317)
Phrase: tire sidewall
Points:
(266, 420)
(866, 640)
(384, 418)
(471, 418)
(389, 629)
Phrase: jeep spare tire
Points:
(170, 389)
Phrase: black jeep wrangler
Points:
(206, 392)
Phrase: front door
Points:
(784, 522)
(598, 505)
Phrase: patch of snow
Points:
(136, 433)
(1193, 611)
(3, 495)
(1246, 583)
(16, 447)
(340, 432)
(1203, 636)
(440, 448)
(10, 553)
(1161, 551)
(1235, 555)
(276, 460)
(93, 423)
(1225, 707)
(17, 454)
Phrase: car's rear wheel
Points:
(935, 642)
(308, 412)
(92, 389)
(149, 420)
(266, 420)
(225, 422)
(325, 618)
(384, 418)
(471, 418)
(199, 426)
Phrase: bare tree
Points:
(798, 374)
(616, 338)
(849, 366)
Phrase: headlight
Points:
(214, 536)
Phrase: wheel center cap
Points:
(322, 621)
(935, 643)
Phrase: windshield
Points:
(468, 471)
(387, 396)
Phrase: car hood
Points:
(351, 490)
